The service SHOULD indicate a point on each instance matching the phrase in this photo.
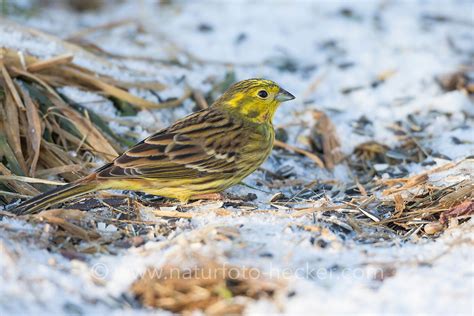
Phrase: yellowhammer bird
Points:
(205, 152)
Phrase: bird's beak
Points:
(284, 95)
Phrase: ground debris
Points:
(458, 80)
(209, 286)
(325, 141)
(466, 208)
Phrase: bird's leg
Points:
(209, 196)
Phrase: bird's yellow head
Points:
(256, 99)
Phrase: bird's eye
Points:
(263, 94)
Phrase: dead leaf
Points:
(464, 209)
(324, 136)
(399, 204)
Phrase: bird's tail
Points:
(60, 194)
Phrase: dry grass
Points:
(416, 202)
(214, 288)
(39, 127)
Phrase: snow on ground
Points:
(316, 50)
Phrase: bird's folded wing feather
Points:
(203, 143)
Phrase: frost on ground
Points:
(375, 68)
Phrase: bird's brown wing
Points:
(206, 142)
